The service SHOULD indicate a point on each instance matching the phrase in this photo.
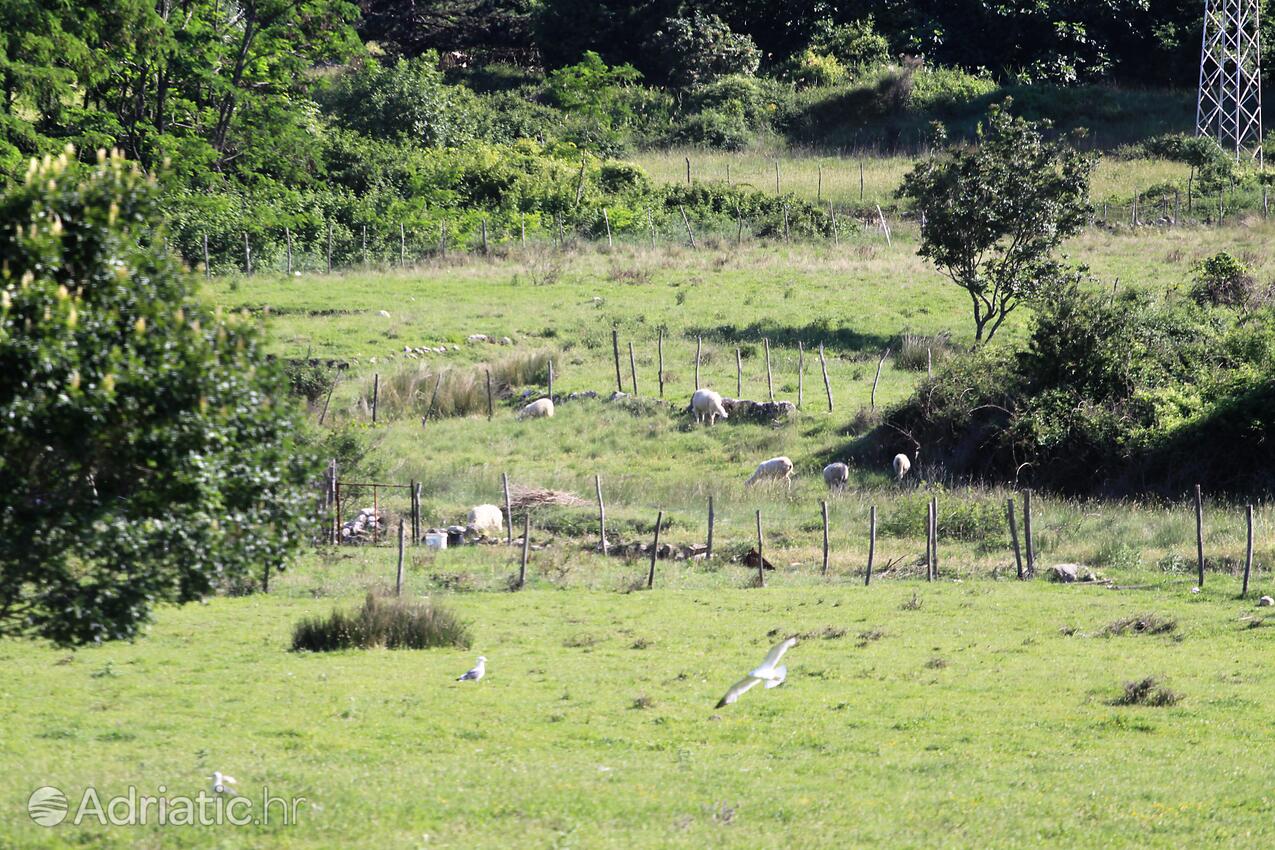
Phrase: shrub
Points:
(1222, 280)
(732, 95)
(690, 51)
(308, 379)
(816, 69)
(592, 88)
(408, 100)
(386, 622)
(712, 129)
(854, 45)
(949, 89)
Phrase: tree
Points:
(147, 452)
(693, 50)
(993, 214)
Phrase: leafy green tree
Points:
(697, 49)
(405, 100)
(993, 214)
(147, 452)
(592, 88)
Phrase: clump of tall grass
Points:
(425, 390)
(915, 352)
(385, 622)
(1148, 691)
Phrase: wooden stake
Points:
(929, 362)
(602, 515)
(606, 219)
(659, 351)
(551, 380)
(247, 255)
(207, 261)
(442, 239)
(633, 370)
(486, 248)
(376, 394)
(929, 539)
(861, 182)
(329, 247)
(777, 177)
(491, 407)
(770, 384)
(287, 233)
(823, 509)
(522, 229)
(934, 537)
(801, 374)
(688, 171)
(1027, 533)
(363, 228)
(872, 543)
(836, 236)
(324, 414)
(402, 246)
(416, 513)
(655, 551)
(885, 228)
(650, 225)
(1013, 535)
(761, 560)
(873, 398)
(819, 185)
(686, 221)
(786, 236)
(398, 575)
(1199, 532)
(615, 351)
(699, 347)
(526, 549)
(509, 511)
(1248, 552)
(827, 385)
(739, 374)
(708, 553)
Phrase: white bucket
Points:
(436, 540)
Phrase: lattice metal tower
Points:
(1229, 107)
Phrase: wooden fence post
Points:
(686, 221)
(491, 409)
(777, 176)
(827, 385)
(688, 171)
(819, 185)
(877, 379)
(486, 247)
(551, 379)
(363, 243)
(398, 575)
(526, 548)
(761, 559)
(607, 220)
(602, 515)
(1027, 533)
(655, 551)
(376, 394)
(1248, 552)
(650, 226)
(509, 511)
(1013, 535)
(823, 509)
(699, 348)
(739, 374)
(885, 228)
(929, 540)
(739, 226)
(442, 239)
(633, 370)
(801, 374)
(247, 255)
(872, 543)
(659, 351)
(207, 261)
(708, 552)
(1199, 532)
(287, 232)
(329, 252)
(416, 513)
(615, 351)
(770, 384)
(786, 234)
(402, 246)
(861, 182)
(934, 537)
(522, 229)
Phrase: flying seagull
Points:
(479, 670)
(223, 784)
(772, 675)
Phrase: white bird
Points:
(479, 670)
(767, 672)
(223, 784)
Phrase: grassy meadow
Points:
(975, 711)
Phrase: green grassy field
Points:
(972, 712)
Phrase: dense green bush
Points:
(690, 51)
(856, 45)
(146, 452)
(383, 622)
(1222, 280)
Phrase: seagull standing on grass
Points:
(479, 670)
(768, 672)
(223, 784)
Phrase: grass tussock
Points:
(423, 390)
(916, 352)
(1140, 624)
(1148, 691)
(382, 622)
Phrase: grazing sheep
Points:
(540, 408)
(488, 520)
(901, 466)
(835, 475)
(776, 467)
(706, 404)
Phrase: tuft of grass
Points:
(1140, 624)
(382, 622)
(643, 702)
(913, 604)
(423, 390)
(915, 352)
(1148, 691)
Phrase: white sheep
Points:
(706, 404)
(540, 408)
(835, 475)
(776, 467)
(486, 519)
(901, 466)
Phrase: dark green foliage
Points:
(993, 216)
(697, 49)
(856, 44)
(146, 453)
(382, 622)
(1222, 280)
